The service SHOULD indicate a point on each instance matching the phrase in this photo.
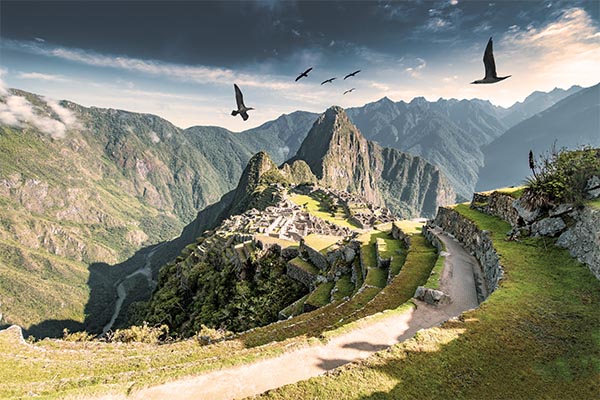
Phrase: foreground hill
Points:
(571, 123)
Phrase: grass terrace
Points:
(536, 337)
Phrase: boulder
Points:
(592, 189)
(551, 226)
(431, 296)
(525, 213)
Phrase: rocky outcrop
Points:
(476, 241)
(431, 296)
(341, 158)
(583, 239)
(577, 228)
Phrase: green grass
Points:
(376, 277)
(436, 273)
(344, 288)
(594, 203)
(320, 242)
(321, 295)
(317, 208)
(535, 337)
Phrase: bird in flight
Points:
(349, 90)
(352, 74)
(304, 74)
(490, 67)
(241, 108)
(330, 80)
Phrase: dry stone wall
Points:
(476, 241)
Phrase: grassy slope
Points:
(537, 336)
(56, 219)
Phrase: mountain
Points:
(341, 158)
(534, 103)
(82, 189)
(447, 133)
(572, 122)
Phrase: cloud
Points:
(18, 111)
(42, 77)
(563, 51)
(198, 74)
(415, 70)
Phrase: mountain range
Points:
(117, 181)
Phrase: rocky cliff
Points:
(341, 158)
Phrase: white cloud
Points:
(42, 77)
(415, 70)
(18, 111)
(560, 53)
(198, 74)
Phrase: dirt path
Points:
(247, 380)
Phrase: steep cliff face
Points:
(341, 158)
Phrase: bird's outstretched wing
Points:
(488, 61)
(352, 74)
(307, 71)
(244, 115)
(239, 97)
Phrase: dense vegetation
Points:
(562, 177)
(213, 295)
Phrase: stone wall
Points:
(380, 247)
(431, 238)
(476, 241)
(497, 204)
(398, 233)
(583, 238)
(300, 275)
(314, 256)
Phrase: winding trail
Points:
(145, 270)
(246, 380)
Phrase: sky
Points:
(179, 60)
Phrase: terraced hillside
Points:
(113, 367)
(534, 337)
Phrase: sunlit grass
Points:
(316, 207)
(535, 337)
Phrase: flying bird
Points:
(328, 81)
(304, 74)
(241, 108)
(349, 90)
(490, 67)
(352, 74)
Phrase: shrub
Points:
(141, 334)
(562, 177)
(77, 336)
(208, 335)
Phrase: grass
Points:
(320, 242)
(318, 208)
(409, 226)
(321, 295)
(514, 191)
(535, 337)
(594, 203)
(376, 277)
(343, 288)
(436, 273)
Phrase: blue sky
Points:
(179, 60)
